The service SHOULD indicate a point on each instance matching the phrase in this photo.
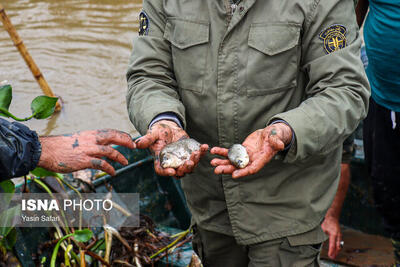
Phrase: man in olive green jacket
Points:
(282, 77)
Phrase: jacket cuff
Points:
(36, 150)
(171, 116)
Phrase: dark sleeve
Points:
(20, 149)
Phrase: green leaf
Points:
(8, 241)
(7, 189)
(7, 186)
(8, 219)
(40, 172)
(83, 235)
(5, 98)
(43, 106)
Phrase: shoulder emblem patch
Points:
(334, 38)
(143, 23)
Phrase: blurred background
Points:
(82, 48)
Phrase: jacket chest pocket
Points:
(273, 58)
(189, 45)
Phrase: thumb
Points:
(147, 140)
(276, 143)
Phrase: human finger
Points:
(163, 172)
(203, 149)
(219, 151)
(332, 246)
(187, 167)
(252, 168)
(103, 165)
(115, 137)
(147, 140)
(110, 153)
(276, 143)
(195, 157)
(224, 169)
(339, 245)
(218, 162)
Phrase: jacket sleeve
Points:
(20, 149)
(151, 80)
(337, 89)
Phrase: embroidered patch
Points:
(334, 38)
(143, 23)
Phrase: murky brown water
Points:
(82, 47)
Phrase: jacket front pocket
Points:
(273, 58)
(189, 45)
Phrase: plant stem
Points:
(172, 244)
(80, 196)
(83, 262)
(39, 182)
(97, 257)
(55, 251)
(9, 114)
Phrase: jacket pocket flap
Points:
(184, 33)
(315, 236)
(273, 39)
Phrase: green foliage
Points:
(42, 106)
(79, 235)
(7, 189)
(40, 172)
(83, 235)
(8, 235)
(5, 98)
(9, 240)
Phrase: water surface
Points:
(82, 48)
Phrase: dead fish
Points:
(175, 154)
(238, 156)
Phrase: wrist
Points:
(43, 160)
(164, 123)
(46, 159)
(332, 216)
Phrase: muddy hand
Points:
(261, 146)
(162, 133)
(68, 153)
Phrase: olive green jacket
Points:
(226, 75)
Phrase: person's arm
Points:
(152, 91)
(20, 149)
(152, 87)
(331, 225)
(337, 90)
(361, 11)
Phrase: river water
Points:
(82, 48)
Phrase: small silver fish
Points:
(175, 154)
(238, 156)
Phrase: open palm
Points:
(261, 145)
